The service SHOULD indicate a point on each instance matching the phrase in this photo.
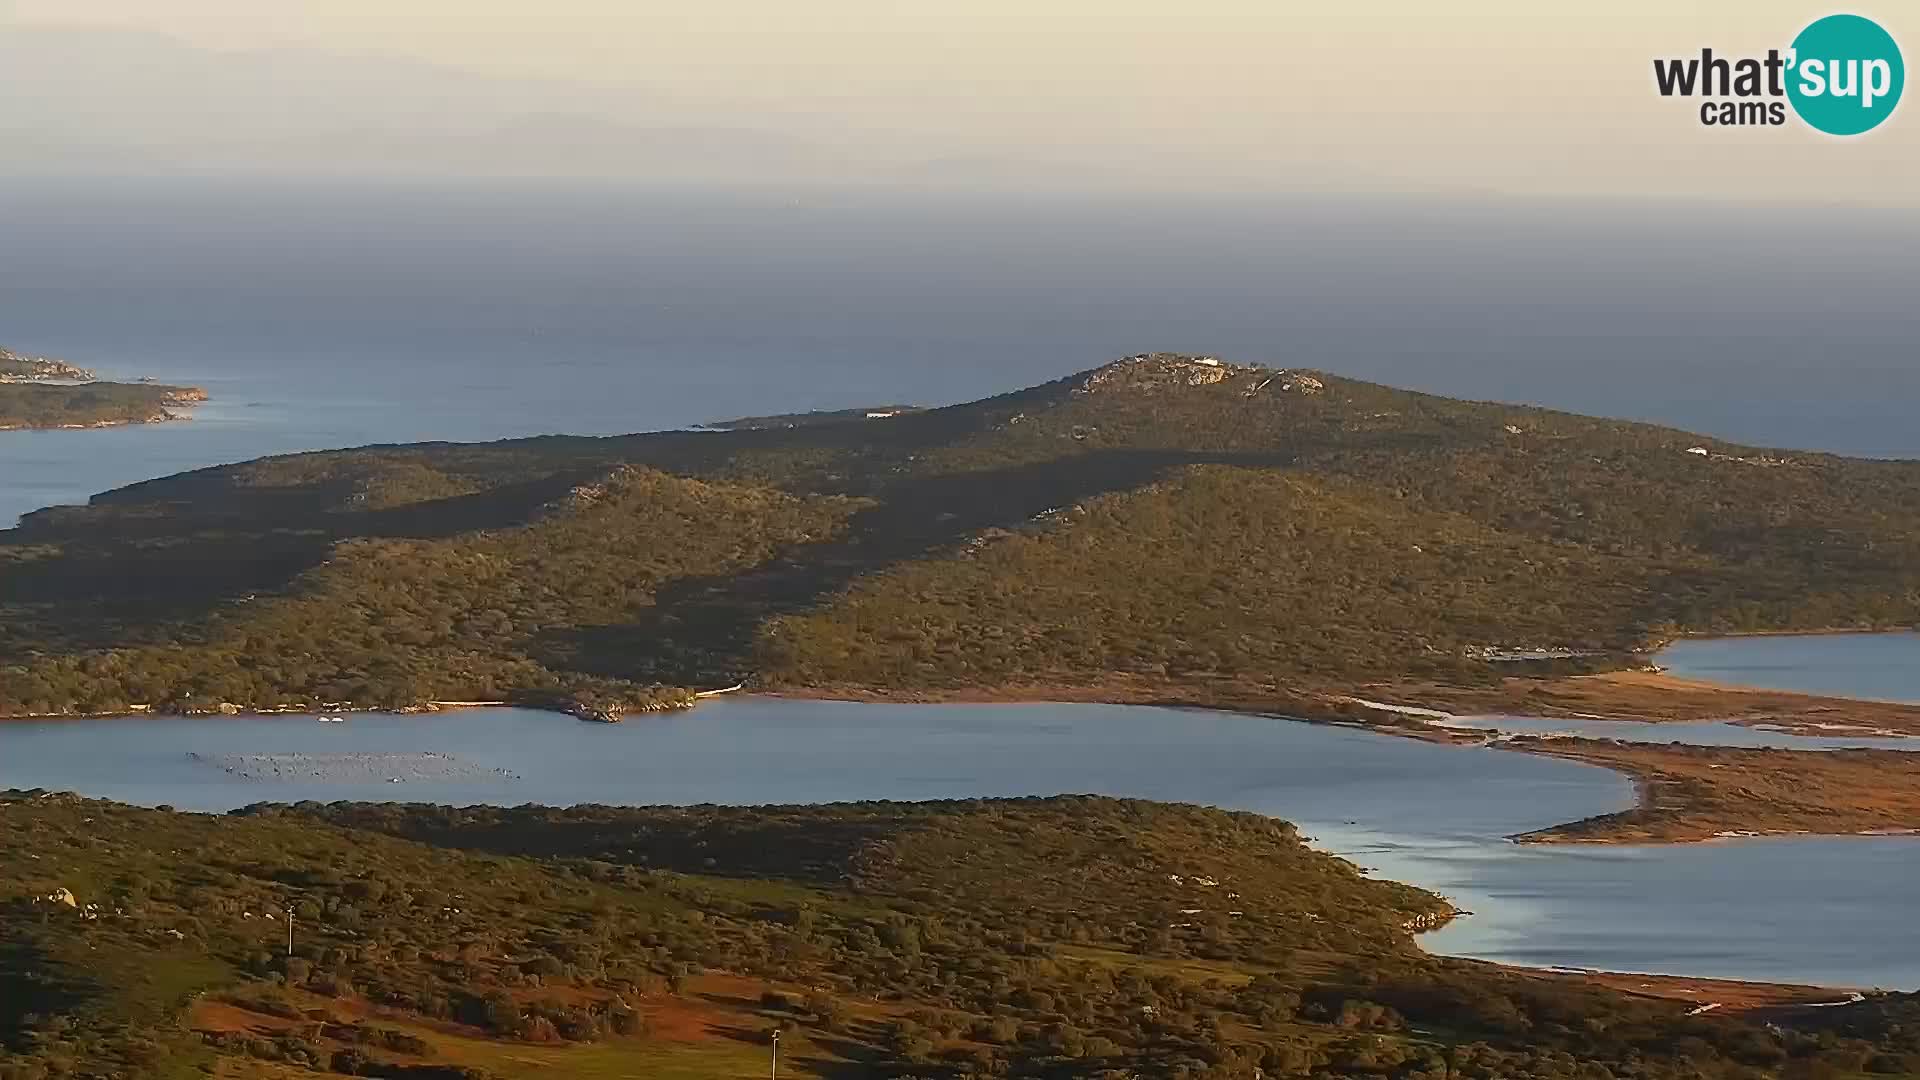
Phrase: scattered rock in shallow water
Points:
(351, 768)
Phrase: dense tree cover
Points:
(1162, 519)
(391, 622)
(1235, 573)
(1061, 937)
(34, 405)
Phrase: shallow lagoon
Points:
(1817, 910)
(1885, 667)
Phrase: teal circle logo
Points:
(1846, 75)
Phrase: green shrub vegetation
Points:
(1064, 937)
(1164, 521)
(93, 404)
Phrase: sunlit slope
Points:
(1162, 518)
(1059, 938)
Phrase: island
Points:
(1068, 937)
(1165, 528)
(39, 393)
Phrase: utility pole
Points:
(289, 930)
(776, 1054)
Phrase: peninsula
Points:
(36, 392)
(1164, 528)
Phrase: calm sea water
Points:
(322, 317)
(1880, 666)
(1816, 910)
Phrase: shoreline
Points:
(1670, 804)
(1650, 697)
(1675, 800)
(112, 404)
(1732, 994)
(170, 418)
(1699, 794)
(1694, 683)
(1825, 631)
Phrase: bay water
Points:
(1820, 910)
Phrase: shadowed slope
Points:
(1164, 518)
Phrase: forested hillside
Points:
(93, 404)
(1172, 521)
(1059, 938)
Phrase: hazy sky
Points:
(1536, 97)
